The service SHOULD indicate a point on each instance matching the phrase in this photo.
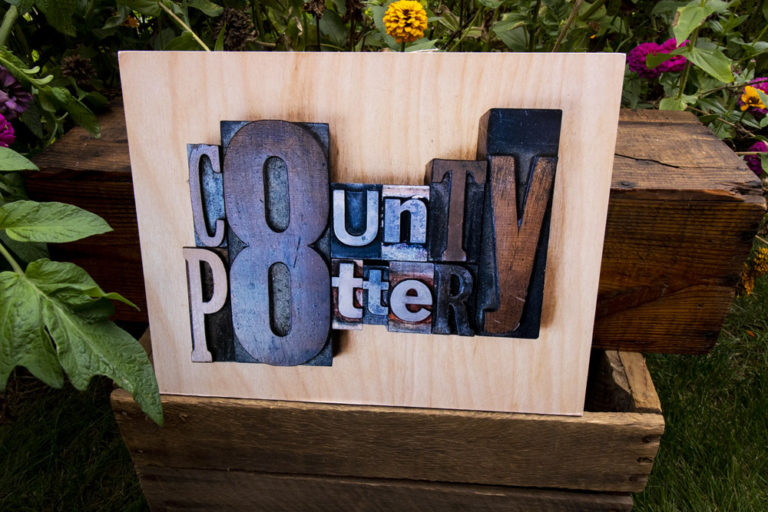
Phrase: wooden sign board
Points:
(389, 115)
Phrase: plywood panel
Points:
(389, 114)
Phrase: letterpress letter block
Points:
(410, 297)
(199, 307)
(375, 294)
(205, 190)
(455, 209)
(347, 291)
(356, 212)
(521, 147)
(453, 300)
(405, 222)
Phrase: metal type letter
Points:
(452, 302)
(401, 298)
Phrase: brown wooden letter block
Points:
(515, 241)
(455, 208)
(410, 297)
(200, 205)
(276, 198)
(347, 291)
(405, 222)
(453, 300)
(198, 306)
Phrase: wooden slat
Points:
(172, 489)
(643, 391)
(599, 451)
(681, 217)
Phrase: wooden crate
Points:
(682, 214)
(236, 454)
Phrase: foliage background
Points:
(60, 449)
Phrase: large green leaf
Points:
(25, 251)
(145, 7)
(86, 348)
(30, 221)
(59, 14)
(40, 307)
(688, 18)
(23, 341)
(206, 6)
(712, 61)
(672, 104)
(19, 69)
(79, 112)
(13, 161)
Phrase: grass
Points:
(61, 449)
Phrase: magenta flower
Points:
(758, 83)
(753, 161)
(636, 58)
(14, 100)
(7, 135)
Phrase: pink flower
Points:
(636, 58)
(753, 161)
(7, 135)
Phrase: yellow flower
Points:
(750, 98)
(405, 20)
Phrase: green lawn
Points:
(61, 450)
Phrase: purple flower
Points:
(7, 135)
(14, 100)
(753, 161)
(758, 83)
(636, 58)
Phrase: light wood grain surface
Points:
(389, 114)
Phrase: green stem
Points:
(687, 70)
(11, 15)
(402, 46)
(567, 26)
(184, 26)
(14, 265)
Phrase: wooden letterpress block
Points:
(375, 294)
(347, 293)
(410, 297)
(521, 146)
(199, 307)
(405, 222)
(276, 197)
(355, 221)
(454, 300)
(205, 190)
(456, 195)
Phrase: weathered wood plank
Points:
(171, 489)
(599, 451)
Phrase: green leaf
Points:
(377, 12)
(13, 161)
(207, 7)
(59, 14)
(711, 61)
(688, 18)
(763, 96)
(30, 221)
(69, 284)
(86, 348)
(184, 42)
(219, 46)
(145, 7)
(491, 4)
(23, 340)
(764, 161)
(672, 104)
(653, 60)
(511, 32)
(25, 251)
(333, 28)
(19, 69)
